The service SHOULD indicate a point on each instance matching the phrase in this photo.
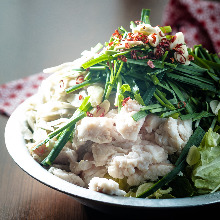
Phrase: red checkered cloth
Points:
(198, 20)
(15, 92)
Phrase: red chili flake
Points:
(138, 54)
(61, 83)
(117, 34)
(154, 38)
(181, 104)
(110, 44)
(172, 59)
(144, 39)
(122, 58)
(164, 43)
(190, 57)
(102, 115)
(150, 64)
(125, 100)
(80, 97)
(89, 114)
(79, 79)
(142, 58)
(173, 39)
(129, 36)
(182, 59)
(111, 64)
(134, 54)
(159, 52)
(98, 108)
(160, 33)
(119, 44)
(179, 49)
(127, 45)
(137, 37)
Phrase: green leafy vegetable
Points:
(206, 173)
(159, 194)
(193, 156)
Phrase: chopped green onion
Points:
(196, 116)
(83, 84)
(92, 62)
(145, 13)
(62, 140)
(180, 96)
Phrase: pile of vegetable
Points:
(169, 80)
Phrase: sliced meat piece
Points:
(96, 129)
(152, 122)
(173, 134)
(69, 177)
(125, 124)
(107, 186)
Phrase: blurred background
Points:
(38, 34)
